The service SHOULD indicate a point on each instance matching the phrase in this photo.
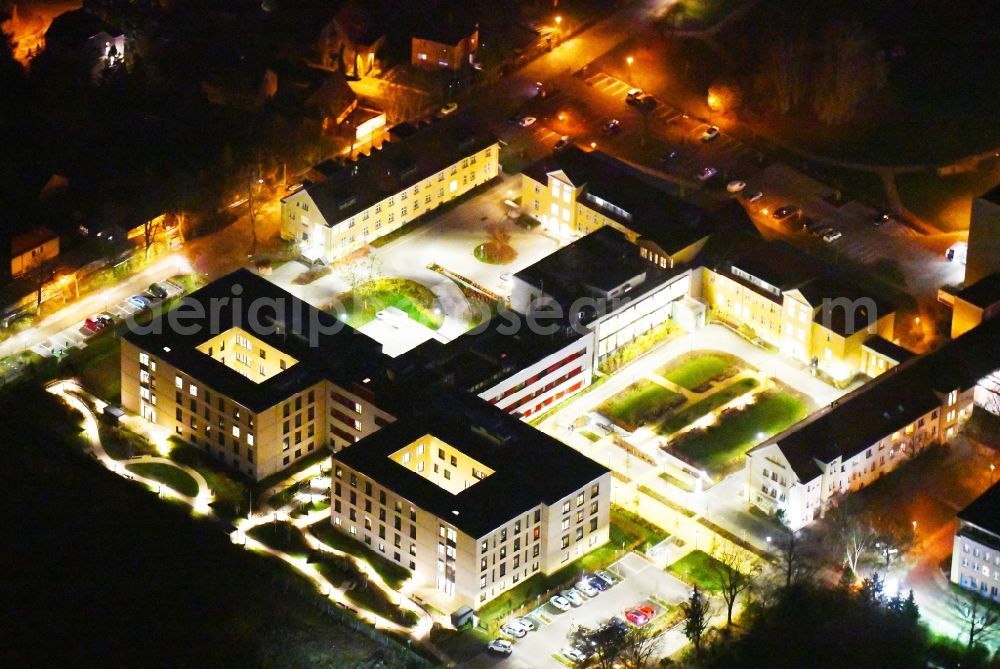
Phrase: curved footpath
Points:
(76, 397)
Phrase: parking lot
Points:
(640, 583)
(77, 335)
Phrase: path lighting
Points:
(629, 61)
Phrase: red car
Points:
(646, 610)
(636, 617)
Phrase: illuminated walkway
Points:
(88, 405)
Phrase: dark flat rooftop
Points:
(890, 350)
(529, 466)
(984, 512)
(982, 293)
(322, 348)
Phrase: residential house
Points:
(31, 249)
(445, 42)
(975, 557)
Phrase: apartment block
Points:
(776, 295)
(975, 558)
(252, 375)
(423, 168)
(445, 43)
(869, 432)
(469, 499)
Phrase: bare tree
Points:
(894, 538)
(638, 648)
(696, 615)
(979, 617)
(149, 230)
(737, 570)
(794, 555)
(851, 535)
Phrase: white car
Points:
(572, 654)
(707, 173)
(524, 623)
(500, 646)
(525, 121)
(574, 597)
(753, 197)
(711, 132)
(560, 603)
(449, 108)
(832, 236)
(736, 186)
(586, 588)
(515, 631)
(633, 93)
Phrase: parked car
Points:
(636, 617)
(668, 157)
(560, 603)
(633, 94)
(752, 196)
(584, 586)
(140, 301)
(645, 101)
(707, 173)
(526, 121)
(613, 126)
(563, 142)
(573, 655)
(736, 186)
(884, 217)
(819, 231)
(157, 290)
(832, 236)
(524, 623)
(98, 322)
(515, 631)
(449, 108)
(711, 132)
(500, 647)
(574, 597)
(787, 211)
(607, 576)
(646, 610)
(598, 583)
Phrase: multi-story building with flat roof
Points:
(470, 499)
(975, 558)
(252, 375)
(363, 200)
(872, 430)
(444, 42)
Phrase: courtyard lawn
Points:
(698, 568)
(230, 489)
(689, 414)
(696, 371)
(281, 536)
(633, 531)
(168, 475)
(722, 445)
(393, 574)
(640, 403)
(418, 302)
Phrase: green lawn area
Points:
(723, 444)
(633, 530)
(698, 568)
(362, 304)
(693, 412)
(697, 370)
(393, 574)
(122, 443)
(460, 645)
(640, 403)
(944, 200)
(372, 598)
(281, 536)
(677, 482)
(231, 491)
(168, 475)
(706, 13)
(590, 435)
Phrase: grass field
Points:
(362, 304)
(634, 530)
(393, 574)
(722, 445)
(232, 496)
(168, 475)
(640, 403)
(697, 371)
(693, 412)
(698, 568)
(281, 536)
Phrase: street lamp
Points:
(629, 61)
(559, 29)
(914, 527)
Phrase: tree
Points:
(737, 570)
(638, 648)
(851, 535)
(793, 553)
(978, 616)
(895, 537)
(906, 608)
(696, 615)
(149, 230)
(871, 593)
(724, 96)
